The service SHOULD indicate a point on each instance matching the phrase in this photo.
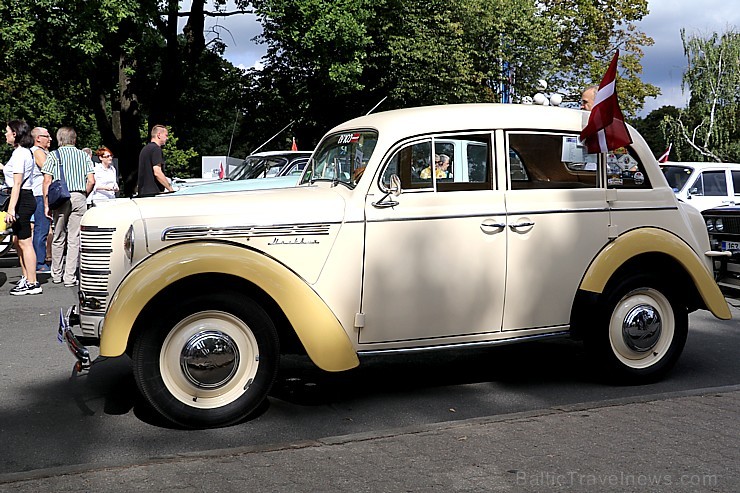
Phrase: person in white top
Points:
(106, 179)
(19, 174)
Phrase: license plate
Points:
(730, 245)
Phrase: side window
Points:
(710, 184)
(625, 170)
(408, 163)
(736, 182)
(477, 154)
(457, 163)
(545, 160)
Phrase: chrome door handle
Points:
(493, 225)
(525, 224)
(489, 227)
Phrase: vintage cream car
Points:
(522, 236)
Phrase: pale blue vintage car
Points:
(256, 167)
(241, 185)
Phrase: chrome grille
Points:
(95, 254)
(732, 224)
(192, 232)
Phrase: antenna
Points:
(268, 140)
(233, 129)
(379, 103)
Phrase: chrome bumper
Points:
(66, 336)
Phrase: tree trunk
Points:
(169, 88)
(128, 134)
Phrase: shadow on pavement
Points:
(109, 386)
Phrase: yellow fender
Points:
(321, 334)
(649, 240)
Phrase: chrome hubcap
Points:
(641, 328)
(209, 359)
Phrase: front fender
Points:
(653, 240)
(321, 334)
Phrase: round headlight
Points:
(128, 243)
(718, 224)
(710, 224)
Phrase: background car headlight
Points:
(719, 225)
(710, 224)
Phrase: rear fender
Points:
(654, 240)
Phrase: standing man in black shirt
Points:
(152, 179)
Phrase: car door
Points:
(710, 189)
(434, 255)
(557, 217)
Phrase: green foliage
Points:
(109, 67)
(651, 130)
(327, 62)
(707, 129)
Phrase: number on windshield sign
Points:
(348, 138)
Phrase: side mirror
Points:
(395, 186)
(394, 189)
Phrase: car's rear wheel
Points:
(210, 363)
(642, 332)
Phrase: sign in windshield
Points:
(342, 157)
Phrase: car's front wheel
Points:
(211, 362)
(642, 332)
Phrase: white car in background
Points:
(704, 185)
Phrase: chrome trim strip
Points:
(499, 342)
(254, 231)
(637, 209)
(488, 214)
(97, 229)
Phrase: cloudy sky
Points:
(663, 64)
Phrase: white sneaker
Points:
(26, 288)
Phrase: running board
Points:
(501, 342)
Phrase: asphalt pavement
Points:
(683, 441)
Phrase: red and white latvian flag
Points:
(294, 147)
(221, 171)
(664, 157)
(606, 129)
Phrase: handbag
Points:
(5, 229)
(58, 193)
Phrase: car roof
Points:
(461, 117)
(697, 165)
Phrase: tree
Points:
(650, 128)
(329, 61)
(707, 130)
(588, 33)
(107, 66)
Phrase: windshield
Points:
(342, 157)
(257, 167)
(677, 176)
